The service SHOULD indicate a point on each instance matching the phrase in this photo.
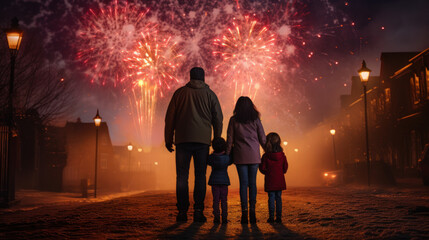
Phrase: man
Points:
(192, 112)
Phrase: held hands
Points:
(169, 147)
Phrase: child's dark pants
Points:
(220, 194)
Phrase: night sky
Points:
(325, 42)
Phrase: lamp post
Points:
(130, 148)
(97, 122)
(14, 37)
(332, 131)
(364, 76)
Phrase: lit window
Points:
(381, 104)
(415, 88)
(387, 95)
(417, 84)
(427, 83)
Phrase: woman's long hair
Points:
(245, 111)
(273, 143)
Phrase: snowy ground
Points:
(353, 212)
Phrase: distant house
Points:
(28, 143)
(53, 158)
(406, 94)
(398, 114)
(137, 167)
(80, 164)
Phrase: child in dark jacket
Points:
(274, 165)
(219, 179)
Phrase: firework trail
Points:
(153, 68)
(104, 37)
(247, 51)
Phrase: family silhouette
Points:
(194, 110)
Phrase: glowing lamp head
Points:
(139, 149)
(364, 73)
(130, 147)
(296, 150)
(141, 83)
(14, 36)
(332, 131)
(285, 143)
(97, 119)
(326, 174)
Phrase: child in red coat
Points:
(274, 165)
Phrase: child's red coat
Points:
(274, 166)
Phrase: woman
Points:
(245, 134)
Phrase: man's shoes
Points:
(278, 220)
(199, 216)
(244, 219)
(252, 216)
(270, 220)
(182, 217)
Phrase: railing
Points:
(3, 161)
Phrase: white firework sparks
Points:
(104, 37)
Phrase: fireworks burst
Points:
(153, 69)
(248, 52)
(193, 25)
(314, 37)
(105, 35)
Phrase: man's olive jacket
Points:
(193, 110)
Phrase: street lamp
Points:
(130, 148)
(332, 131)
(14, 37)
(97, 122)
(364, 76)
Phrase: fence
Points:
(4, 162)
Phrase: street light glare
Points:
(364, 73)
(14, 40)
(130, 147)
(332, 131)
(14, 36)
(97, 119)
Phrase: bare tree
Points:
(39, 84)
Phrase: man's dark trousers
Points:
(200, 153)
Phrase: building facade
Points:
(80, 165)
(398, 122)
